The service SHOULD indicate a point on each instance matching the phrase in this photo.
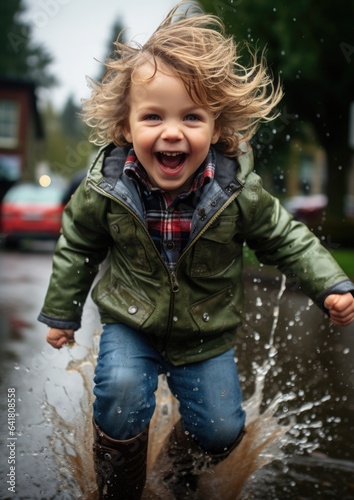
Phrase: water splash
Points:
(71, 442)
(269, 432)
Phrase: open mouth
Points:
(171, 160)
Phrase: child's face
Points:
(171, 135)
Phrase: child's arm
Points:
(81, 248)
(57, 338)
(340, 308)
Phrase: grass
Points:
(344, 257)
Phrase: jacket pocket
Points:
(124, 232)
(217, 248)
(122, 303)
(216, 314)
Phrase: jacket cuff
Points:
(61, 324)
(341, 288)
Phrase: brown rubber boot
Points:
(120, 466)
(181, 461)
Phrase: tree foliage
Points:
(116, 30)
(19, 56)
(67, 147)
(311, 47)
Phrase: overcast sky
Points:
(76, 32)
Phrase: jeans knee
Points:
(217, 435)
(120, 408)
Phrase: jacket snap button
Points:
(169, 245)
(206, 317)
(132, 310)
(107, 456)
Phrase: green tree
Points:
(19, 56)
(117, 29)
(312, 48)
(67, 147)
(71, 123)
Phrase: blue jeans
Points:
(126, 379)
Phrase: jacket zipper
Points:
(172, 274)
(174, 282)
(213, 218)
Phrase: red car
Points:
(31, 211)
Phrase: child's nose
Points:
(172, 132)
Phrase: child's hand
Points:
(57, 338)
(340, 308)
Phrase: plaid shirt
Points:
(169, 221)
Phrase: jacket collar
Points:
(230, 172)
(106, 173)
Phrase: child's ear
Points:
(216, 134)
(127, 134)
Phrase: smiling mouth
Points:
(171, 160)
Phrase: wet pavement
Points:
(310, 360)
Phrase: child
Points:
(172, 197)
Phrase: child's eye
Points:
(152, 117)
(192, 118)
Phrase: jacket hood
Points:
(110, 160)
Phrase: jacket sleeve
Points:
(83, 244)
(279, 240)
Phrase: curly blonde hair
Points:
(196, 49)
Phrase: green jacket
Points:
(191, 313)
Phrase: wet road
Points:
(37, 373)
(310, 359)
